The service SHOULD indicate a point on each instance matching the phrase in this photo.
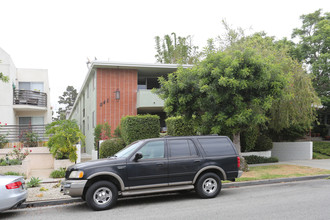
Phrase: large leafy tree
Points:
(173, 49)
(314, 50)
(67, 99)
(235, 88)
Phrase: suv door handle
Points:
(197, 161)
(160, 164)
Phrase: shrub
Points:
(60, 173)
(10, 173)
(101, 132)
(263, 143)
(117, 132)
(17, 153)
(3, 137)
(64, 134)
(31, 139)
(3, 140)
(111, 146)
(249, 139)
(321, 147)
(177, 126)
(292, 133)
(8, 162)
(34, 182)
(253, 159)
(320, 129)
(139, 127)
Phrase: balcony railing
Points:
(27, 97)
(19, 133)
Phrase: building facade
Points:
(113, 90)
(25, 99)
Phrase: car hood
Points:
(97, 163)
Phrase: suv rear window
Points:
(216, 146)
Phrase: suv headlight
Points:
(76, 174)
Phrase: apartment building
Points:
(24, 100)
(112, 90)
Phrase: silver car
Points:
(12, 192)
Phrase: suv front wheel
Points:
(101, 195)
(208, 185)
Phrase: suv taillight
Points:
(14, 185)
(238, 162)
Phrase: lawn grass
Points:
(279, 171)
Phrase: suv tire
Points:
(101, 195)
(208, 185)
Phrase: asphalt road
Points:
(295, 200)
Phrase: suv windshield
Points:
(129, 149)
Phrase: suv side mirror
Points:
(138, 156)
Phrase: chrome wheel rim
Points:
(210, 185)
(102, 196)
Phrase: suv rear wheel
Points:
(101, 195)
(208, 185)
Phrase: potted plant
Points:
(64, 135)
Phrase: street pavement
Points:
(294, 200)
(322, 164)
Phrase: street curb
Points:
(272, 181)
(49, 203)
(224, 186)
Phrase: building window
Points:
(31, 120)
(32, 86)
(87, 88)
(87, 123)
(93, 119)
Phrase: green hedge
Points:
(322, 147)
(176, 126)
(263, 143)
(110, 147)
(253, 159)
(139, 127)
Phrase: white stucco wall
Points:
(36, 75)
(8, 68)
(286, 151)
(258, 153)
(7, 113)
(90, 107)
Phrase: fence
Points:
(20, 133)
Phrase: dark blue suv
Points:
(154, 166)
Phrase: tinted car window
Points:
(182, 148)
(153, 149)
(216, 146)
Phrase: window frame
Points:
(150, 159)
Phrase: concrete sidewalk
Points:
(321, 164)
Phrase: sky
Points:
(60, 35)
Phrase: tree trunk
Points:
(237, 141)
